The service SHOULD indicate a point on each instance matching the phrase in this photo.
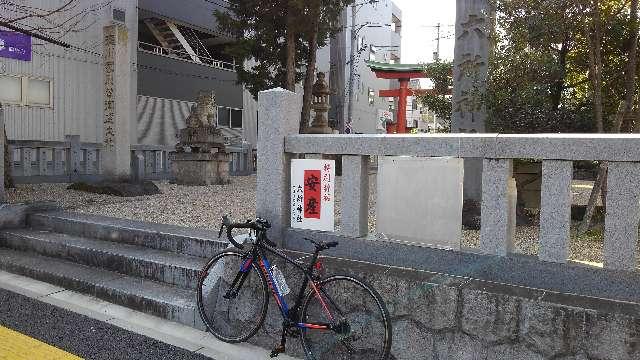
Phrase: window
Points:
(38, 92)
(25, 91)
(372, 97)
(236, 118)
(228, 117)
(223, 117)
(11, 89)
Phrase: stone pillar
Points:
(470, 66)
(355, 196)
(3, 194)
(555, 210)
(279, 113)
(337, 73)
(116, 153)
(499, 195)
(622, 217)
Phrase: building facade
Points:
(174, 50)
(379, 34)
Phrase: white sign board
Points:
(312, 194)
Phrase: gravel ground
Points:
(203, 207)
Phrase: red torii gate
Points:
(403, 73)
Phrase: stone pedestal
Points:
(200, 169)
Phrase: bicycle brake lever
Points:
(221, 229)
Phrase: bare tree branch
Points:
(42, 15)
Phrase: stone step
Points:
(166, 301)
(194, 242)
(171, 268)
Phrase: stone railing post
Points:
(622, 217)
(58, 161)
(74, 157)
(355, 196)
(138, 166)
(555, 210)
(498, 207)
(279, 113)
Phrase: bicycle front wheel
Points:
(360, 324)
(232, 296)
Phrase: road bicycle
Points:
(336, 317)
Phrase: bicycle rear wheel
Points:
(232, 308)
(361, 328)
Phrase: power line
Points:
(33, 34)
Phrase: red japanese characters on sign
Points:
(312, 185)
(312, 197)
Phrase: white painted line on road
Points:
(169, 332)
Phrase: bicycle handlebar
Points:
(257, 225)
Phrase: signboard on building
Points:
(15, 45)
(312, 194)
(384, 118)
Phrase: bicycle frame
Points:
(289, 315)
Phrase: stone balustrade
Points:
(72, 160)
(557, 152)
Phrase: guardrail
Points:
(72, 160)
(183, 55)
(279, 142)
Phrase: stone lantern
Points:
(320, 106)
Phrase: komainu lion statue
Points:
(203, 112)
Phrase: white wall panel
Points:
(77, 75)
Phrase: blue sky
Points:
(418, 33)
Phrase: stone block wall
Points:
(438, 317)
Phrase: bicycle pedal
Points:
(277, 351)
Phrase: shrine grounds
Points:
(203, 207)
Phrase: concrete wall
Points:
(439, 317)
(164, 77)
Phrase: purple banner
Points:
(15, 45)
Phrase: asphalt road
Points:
(80, 335)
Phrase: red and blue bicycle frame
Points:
(290, 315)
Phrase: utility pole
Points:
(352, 68)
(436, 55)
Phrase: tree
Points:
(322, 23)
(276, 46)
(556, 68)
(595, 61)
(439, 101)
(260, 27)
(530, 85)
